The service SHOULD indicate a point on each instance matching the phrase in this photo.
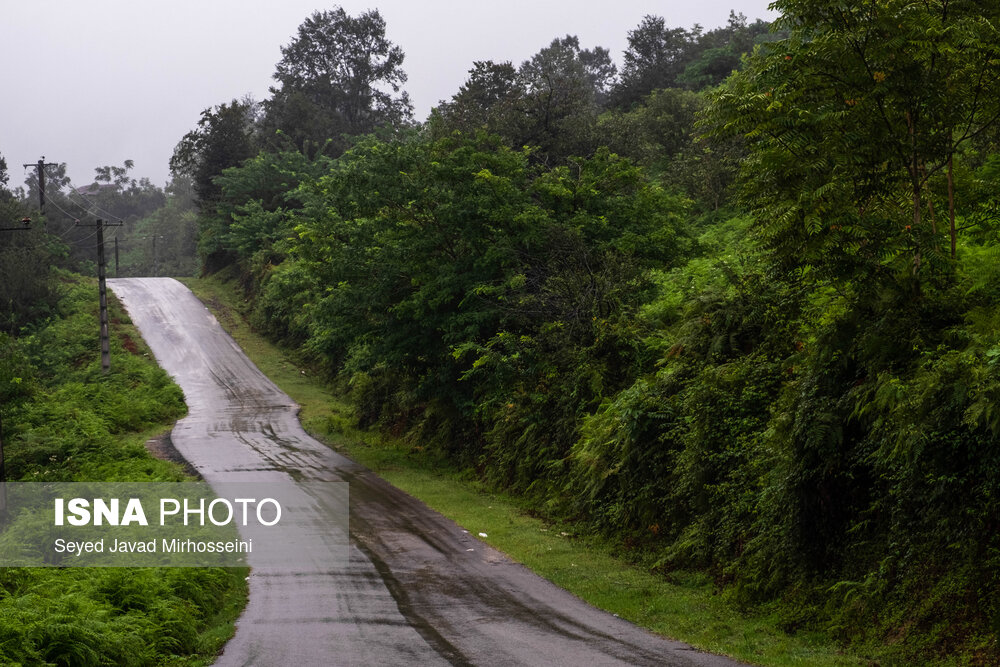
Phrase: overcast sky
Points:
(96, 82)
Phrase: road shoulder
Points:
(683, 606)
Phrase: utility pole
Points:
(116, 255)
(156, 263)
(40, 166)
(103, 290)
(3, 479)
(103, 293)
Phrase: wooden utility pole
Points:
(3, 478)
(102, 288)
(40, 166)
(156, 264)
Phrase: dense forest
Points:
(732, 304)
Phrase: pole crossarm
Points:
(25, 225)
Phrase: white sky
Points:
(96, 82)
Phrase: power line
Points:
(25, 225)
(65, 212)
(40, 168)
(110, 215)
(51, 240)
(71, 217)
(91, 206)
(85, 238)
(86, 211)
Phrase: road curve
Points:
(418, 589)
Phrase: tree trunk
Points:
(951, 202)
(915, 183)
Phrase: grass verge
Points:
(67, 421)
(684, 606)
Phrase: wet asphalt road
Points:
(417, 589)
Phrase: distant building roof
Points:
(95, 188)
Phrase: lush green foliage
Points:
(65, 235)
(413, 289)
(109, 615)
(858, 115)
(334, 81)
(568, 101)
(65, 421)
(25, 291)
(661, 57)
(225, 136)
(163, 242)
(767, 352)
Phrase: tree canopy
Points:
(339, 76)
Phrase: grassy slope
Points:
(685, 607)
(79, 425)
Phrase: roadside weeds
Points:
(686, 607)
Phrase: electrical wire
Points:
(62, 237)
(51, 239)
(90, 211)
(91, 204)
(86, 211)
(69, 215)
(64, 211)
(90, 207)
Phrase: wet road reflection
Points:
(412, 591)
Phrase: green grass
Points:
(685, 606)
(71, 422)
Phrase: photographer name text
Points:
(150, 546)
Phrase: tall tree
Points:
(551, 101)
(568, 73)
(225, 137)
(718, 52)
(850, 119)
(118, 193)
(486, 100)
(655, 57)
(339, 76)
(565, 87)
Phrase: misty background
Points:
(93, 84)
